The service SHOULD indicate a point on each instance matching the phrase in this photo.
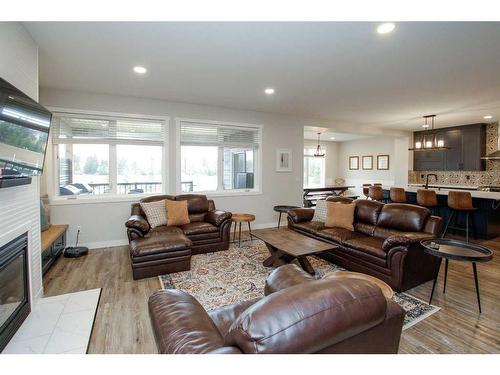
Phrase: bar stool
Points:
(428, 199)
(366, 190)
(461, 202)
(397, 195)
(376, 193)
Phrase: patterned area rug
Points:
(225, 277)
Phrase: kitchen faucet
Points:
(427, 179)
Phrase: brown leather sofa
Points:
(385, 242)
(297, 315)
(168, 249)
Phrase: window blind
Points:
(207, 134)
(67, 128)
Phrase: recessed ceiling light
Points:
(140, 69)
(385, 28)
(269, 91)
(332, 138)
(488, 117)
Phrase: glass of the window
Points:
(314, 170)
(199, 168)
(238, 168)
(138, 169)
(83, 169)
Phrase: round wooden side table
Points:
(386, 289)
(283, 209)
(241, 218)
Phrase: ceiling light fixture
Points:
(140, 69)
(269, 91)
(428, 140)
(488, 117)
(385, 28)
(319, 152)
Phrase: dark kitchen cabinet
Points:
(467, 145)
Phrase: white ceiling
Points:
(341, 72)
(311, 133)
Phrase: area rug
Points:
(226, 277)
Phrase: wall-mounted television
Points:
(24, 132)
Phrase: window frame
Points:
(323, 169)
(52, 178)
(220, 192)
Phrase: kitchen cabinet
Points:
(467, 145)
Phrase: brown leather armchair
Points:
(385, 242)
(297, 315)
(168, 249)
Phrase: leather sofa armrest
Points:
(405, 240)
(138, 222)
(181, 325)
(285, 277)
(434, 225)
(298, 215)
(217, 217)
(224, 316)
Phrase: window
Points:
(218, 157)
(99, 155)
(314, 169)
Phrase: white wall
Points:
(331, 158)
(395, 147)
(19, 206)
(103, 223)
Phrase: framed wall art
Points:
(353, 162)
(382, 162)
(367, 162)
(283, 160)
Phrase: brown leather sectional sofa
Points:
(385, 242)
(168, 249)
(315, 316)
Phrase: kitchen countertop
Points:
(443, 190)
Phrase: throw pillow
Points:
(177, 213)
(156, 213)
(320, 211)
(340, 215)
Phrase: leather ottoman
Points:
(160, 253)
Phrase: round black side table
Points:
(283, 210)
(449, 249)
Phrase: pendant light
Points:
(319, 152)
(428, 140)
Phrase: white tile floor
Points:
(59, 324)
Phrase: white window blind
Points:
(69, 128)
(207, 134)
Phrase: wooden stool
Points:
(239, 218)
(397, 195)
(428, 199)
(461, 202)
(376, 193)
(386, 289)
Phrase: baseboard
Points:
(260, 226)
(101, 244)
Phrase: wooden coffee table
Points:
(285, 246)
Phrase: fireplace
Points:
(14, 287)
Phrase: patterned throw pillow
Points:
(320, 211)
(156, 213)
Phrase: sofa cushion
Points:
(160, 243)
(339, 235)
(370, 245)
(340, 215)
(312, 227)
(405, 217)
(198, 228)
(367, 211)
(196, 203)
(364, 228)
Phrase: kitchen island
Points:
(486, 218)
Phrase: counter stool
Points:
(366, 190)
(376, 193)
(460, 202)
(428, 199)
(397, 195)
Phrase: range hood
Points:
(495, 155)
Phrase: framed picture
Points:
(367, 162)
(283, 160)
(383, 162)
(353, 162)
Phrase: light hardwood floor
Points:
(122, 322)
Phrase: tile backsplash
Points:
(468, 178)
